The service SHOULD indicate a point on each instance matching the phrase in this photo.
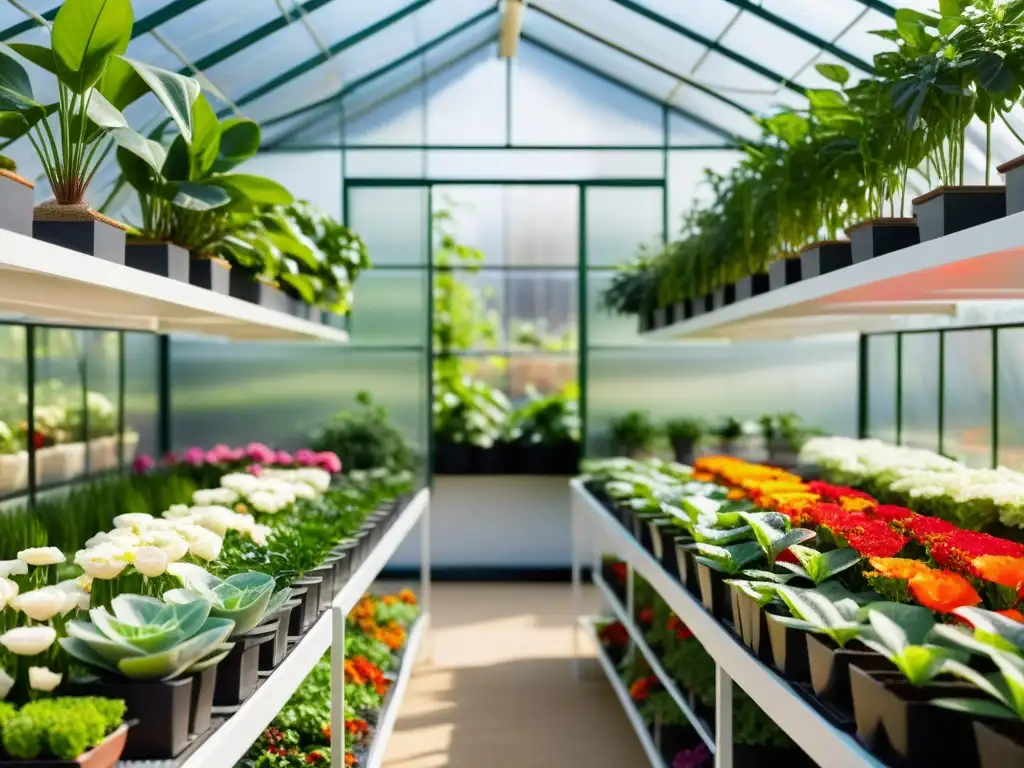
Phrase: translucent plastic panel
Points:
(881, 384)
(578, 107)
(603, 328)
(824, 20)
(305, 89)
(555, 165)
(391, 309)
(545, 374)
(141, 393)
(390, 163)
(543, 225)
(393, 221)
(59, 400)
(745, 380)
(860, 42)
(312, 176)
(734, 121)
(317, 126)
(743, 85)
(467, 102)
(489, 288)
(708, 17)
(687, 181)
(967, 397)
(541, 308)
(919, 392)
(478, 217)
(682, 130)
(618, 220)
(103, 372)
(13, 409)
(1011, 398)
(766, 44)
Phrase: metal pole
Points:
(723, 719)
(575, 523)
(427, 648)
(337, 687)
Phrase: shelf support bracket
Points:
(337, 687)
(723, 718)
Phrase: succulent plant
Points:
(245, 598)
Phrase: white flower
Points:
(319, 479)
(267, 502)
(8, 590)
(171, 542)
(151, 561)
(43, 679)
(214, 518)
(6, 683)
(75, 595)
(303, 491)
(258, 534)
(85, 582)
(120, 537)
(212, 496)
(201, 542)
(177, 511)
(13, 568)
(40, 604)
(241, 483)
(28, 641)
(42, 556)
(133, 521)
(104, 561)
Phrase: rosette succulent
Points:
(146, 639)
(245, 598)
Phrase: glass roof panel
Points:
(708, 17)
(860, 42)
(826, 20)
(809, 77)
(756, 93)
(763, 42)
(696, 102)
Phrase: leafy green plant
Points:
(728, 429)
(95, 82)
(470, 411)
(773, 533)
(551, 419)
(245, 598)
(365, 438)
(63, 728)
(820, 566)
(7, 164)
(835, 615)
(685, 429)
(145, 638)
(634, 433)
(902, 633)
(732, 559)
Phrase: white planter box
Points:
(13, 471)
(59, 463)
(102, 453)
(129, 445)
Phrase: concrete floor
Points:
(499, 693)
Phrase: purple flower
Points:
(284, 458)
(259, 453)
(693, 758)
(143, 464)
(329, 460)
(194, 456)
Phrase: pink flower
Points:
(284, 458)
(170, 459)
(212, 457)
(143, 464)
(259, 453)
(692, 758)
(235, 455)
(306, 457)
(194, 456)
(255, 469)
(329, 460)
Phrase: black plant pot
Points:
(238, 672)
(878, 237)
(1000, 744)
(656, 530)
(201, 709)
(714, 593)
(310, 600)
(748, 756)
(491, 461)
(93, 238)
(752, 285)
(753, 624)
(16, 201)
(561, 458)
(664, 316)
(783, 272)
(673, 739)
(272, 654)
(162, 708)
(641, 531)
(682, 449)
(161, 259)
(702, 305)
(454, 459)
(824, 257)
(645, 322)
(1013, 175)
(898, 723)
(724, 296)
(687, 566)
(298, 611)
(667, 550)
(946, 210)
(789, 651)
(684, 309)
(244, 285)
(326, 574)
(343, 566)
(210, 273)
(830, 669)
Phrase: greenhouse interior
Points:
(422, 383)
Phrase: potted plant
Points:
(86, 732)
(16, 199)
(549, 433)
(470, 418)
(95, 82)
(633, 434)
(728, 431)
(684, 434)
(365, 438)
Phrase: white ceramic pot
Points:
(103, 453)
(13, 471)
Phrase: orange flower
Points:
(703, 477)
(390, 599)
(898, 567)
(350, 759)
(407, 596)
(366, 608)
(1012, 614)
(943, 591)
(353, 674)
(735, 494)
(1000, 569)
(856, 504)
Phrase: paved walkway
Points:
(499, 692)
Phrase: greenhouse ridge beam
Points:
(389, 67)
(880, 6)
(803, 34)
(142, 26)
(710, 44)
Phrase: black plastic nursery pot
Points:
(163, 259)
(310, 602)
(824, 257)
(830, 668)
(683, 450)
(664, 316)
(667, 549)
(93, 238)
(641, 529)
(946, 210)
(898, 723)
(245, 284)
(686, 565)
(784, 272)
(645, 321)
(751, 756)
(684, 309)
(702, 305)
(1000, 744)
(201, 701)
(162, 709)
(752, 285)
(272, 654)
(657, 528)
(17, 197)
(326, 574)
(211, 273)
(878, 237)
(454, 459)
(561, 458)
(789, 650)
(724, 296)
(714, 593)
(341, 563)
(238, 672)
(1013, 176)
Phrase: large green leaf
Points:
(834, 72)
(137, 172)
(15, 86)
(110, 650)
(77, 649)
(257, 190)
(113, 124)
(137, 609)
(171, 662)
(175, 92)
(989, 625)
(239, 141)
(205, 142)
(39, 55)
(193, 196)
(85, 35)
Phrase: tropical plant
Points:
(633, 433)
(95, 82)
(902, 633)
(244, 598)
(834, 612)
(820, 566)
(145, 638)
(551, 419)
(365, 438)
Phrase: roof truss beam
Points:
(880, 6)
(142, 26)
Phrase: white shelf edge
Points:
(232, 739)
(45, 282)
(386, 726)
(784, 304)
(801, 722)
(586, 624)
(652, 659)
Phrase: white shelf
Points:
(40, 281)
(386, 725)
(652, 660)
(929, 280)
(233, 738)
(803, 724)
(653, 755)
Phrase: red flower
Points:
(890, 513)
(959, 549)
(875, 540)
(315, 757)
(646, 615)
(615, 634)
(641, 689)
(786, 556)
(682, 631)
(618, 571)
(926, 529)
(836, 492)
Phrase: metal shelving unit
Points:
(812, 733)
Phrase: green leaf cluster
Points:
(61, 728)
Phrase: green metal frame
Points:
(142, 26)
(879, 6)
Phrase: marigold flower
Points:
(407, 596)
(703, 477)
(943, 591)
(641, 689)
(856, 504)
(390, 599)
(900, 568)
(1000, 569)
(735, 494)
(350, 759)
